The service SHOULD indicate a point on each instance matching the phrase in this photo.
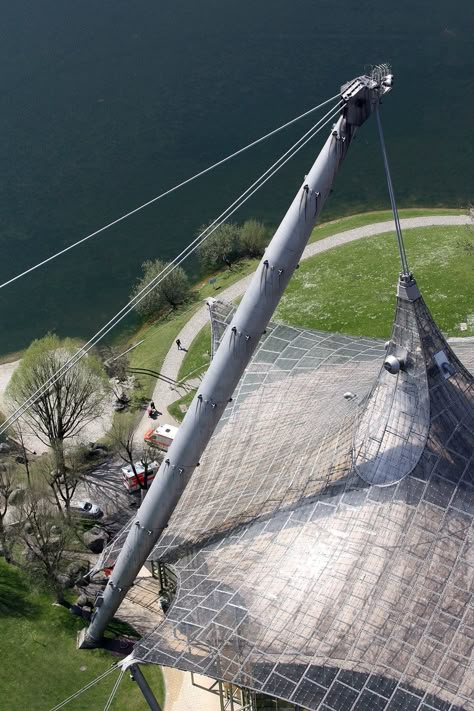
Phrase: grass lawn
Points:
(198, 357)
(326, 229)
(175, 410)
(159, 337)
(351, 289)
(40, 664)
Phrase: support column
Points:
(240, 340)
(144, 687)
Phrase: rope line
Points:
(114, 690)
(84, 688)
(167, 192)
(309, 135)
(391, 192)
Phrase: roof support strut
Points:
(359, 97)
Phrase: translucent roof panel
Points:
(299, 579)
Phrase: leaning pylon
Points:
(359, 99)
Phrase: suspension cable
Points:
(114, 690)
(398, 228)
(167, 192)
(84, 688)
(309, 135)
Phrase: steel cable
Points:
(290, 153)
(167, 192)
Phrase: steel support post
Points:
(144, 688)
(238, 344)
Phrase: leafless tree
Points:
(74, 399)
(17, 435)
(130, 451)
(115, 362)
(45, 536)
(7, 487)
(122, 435)
(61, 482)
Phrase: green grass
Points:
(160, 336)
(157, 340)
(326, 229)
(351, 289)
(40, 664)
(175, 410)
(198, 357)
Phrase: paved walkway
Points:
(183, 695)
(164, 394)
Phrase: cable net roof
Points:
(302, 580)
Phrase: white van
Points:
(161, 437)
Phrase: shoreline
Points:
(13, 356)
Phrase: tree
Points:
(115, 362)
(45, 536)
(7, 487)
(16, 435)
(129, 451)
(62, 481)
(171, 291)
(70, 403)
(222, 244)
(253, 238)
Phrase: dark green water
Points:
(105, 104)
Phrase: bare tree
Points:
(16, 434)
(115, 362)
(45, 536)
(7, 487)
(72, 401)
(61, 482)
(131, 452)
(122, 435)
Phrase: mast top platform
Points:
(363, 93)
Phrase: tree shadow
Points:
(15, 600)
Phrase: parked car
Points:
(135, 480)
(161, 437)
(86, 509)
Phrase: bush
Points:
(171, 291)
(222, 244)
(253, 238)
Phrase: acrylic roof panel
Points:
(299, 579)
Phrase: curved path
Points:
(164, 394)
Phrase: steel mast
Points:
(360, 97)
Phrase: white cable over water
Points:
(290, 153)
(167, 192)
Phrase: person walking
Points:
(178, 343)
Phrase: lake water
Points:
(106, 104)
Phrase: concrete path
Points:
(164, 394)
(183, 695)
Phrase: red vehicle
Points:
(161, 437)
(134, 482)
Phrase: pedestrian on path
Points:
(178, 343)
